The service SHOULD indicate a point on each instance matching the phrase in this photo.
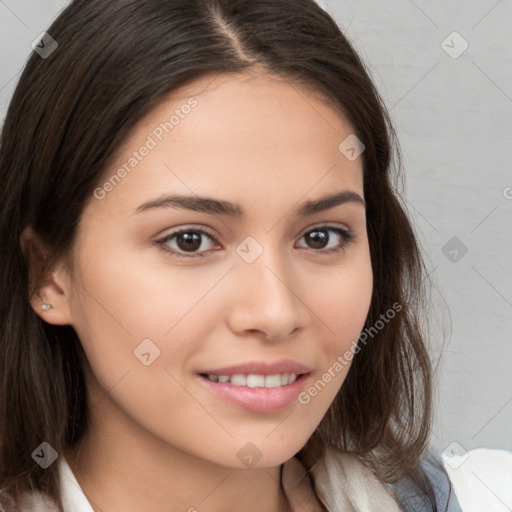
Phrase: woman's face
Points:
(208, 249)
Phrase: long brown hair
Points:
(70, 111)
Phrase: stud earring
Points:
(46, 306)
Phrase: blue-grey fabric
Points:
(412, 499)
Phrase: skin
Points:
(159, 439)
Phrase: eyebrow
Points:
(219, 207)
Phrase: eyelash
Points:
(345, 234)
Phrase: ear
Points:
(47, 285)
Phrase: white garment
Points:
(482, 479)
(344, 484)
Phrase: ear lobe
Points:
(51, 300)
(49, 286)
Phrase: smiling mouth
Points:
(270, 391)
(255, 380)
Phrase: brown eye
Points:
(317, 239)
(192, 240)
(320, 239)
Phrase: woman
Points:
(211, 291)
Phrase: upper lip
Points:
(261, 368)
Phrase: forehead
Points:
(238, 136)
(247, 106)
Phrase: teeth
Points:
(272, 381)
(256, 381)
(238, 380)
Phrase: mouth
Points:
(257, 387)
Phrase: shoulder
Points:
(412, 499)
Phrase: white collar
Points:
(73, 498)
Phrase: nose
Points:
(267, 299)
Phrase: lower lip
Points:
(258, 399)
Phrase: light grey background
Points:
(454, 121)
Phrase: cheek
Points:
(343, 306)
(349, 308)
(135, 298)
(345, 301)
(129, 313)
(138, 328)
